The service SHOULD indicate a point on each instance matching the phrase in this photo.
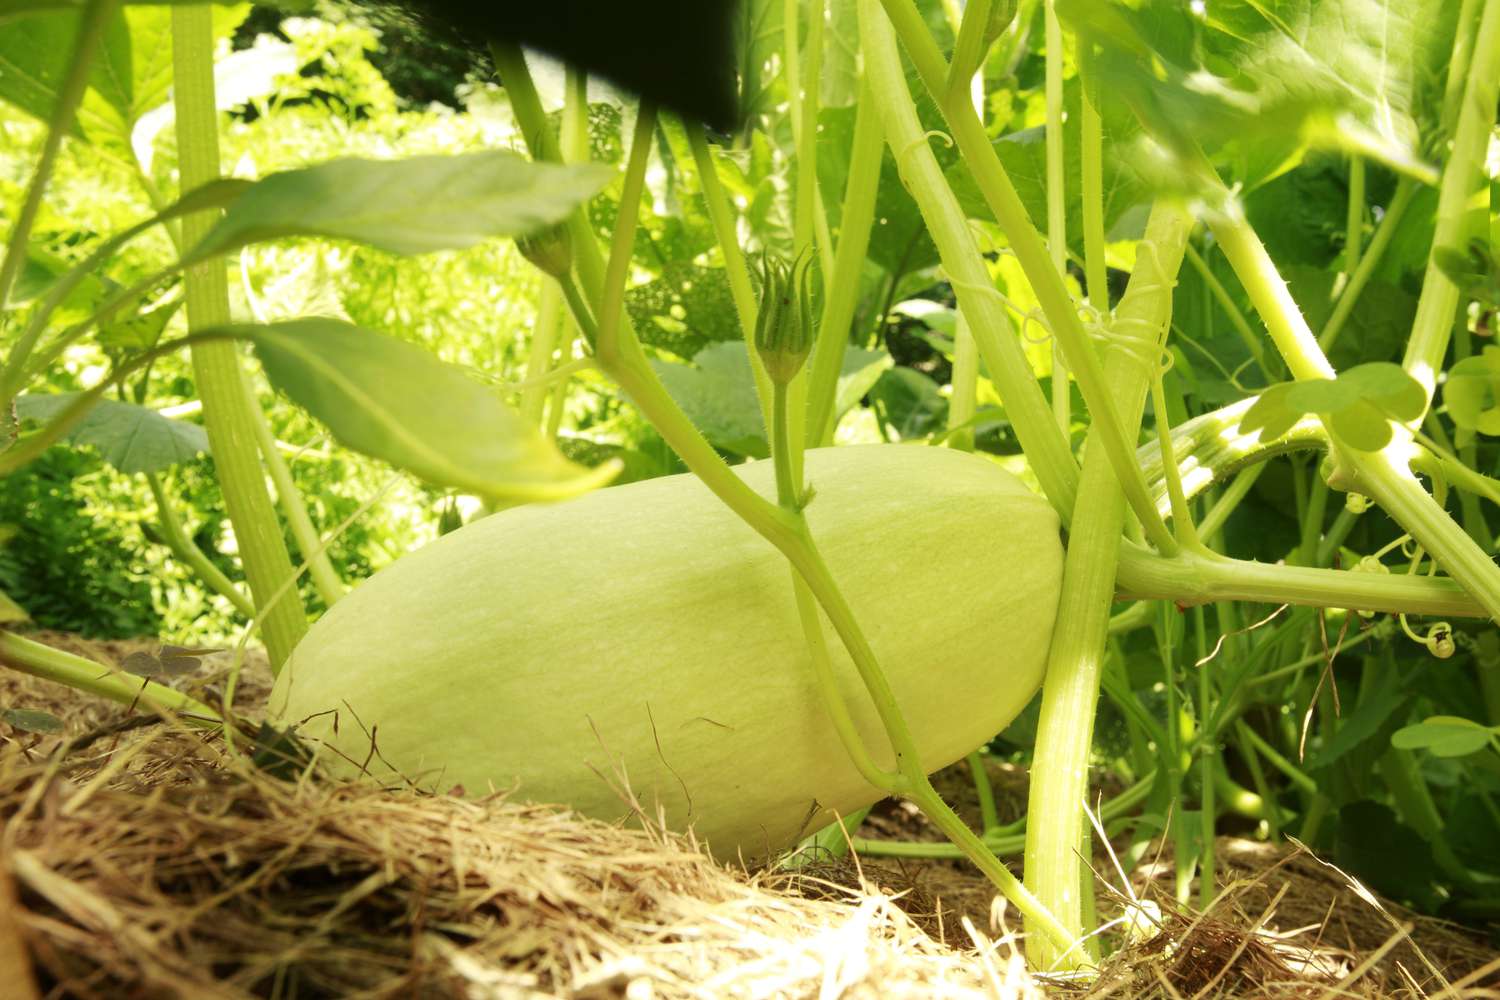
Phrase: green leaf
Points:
(717, 392)
(1257, 84)
(140, 332)
(129, 437)
(862, 369)
(1444, 736)
(415, 205)
(1472, 392)
(29, 720)
(394, 401)
(1360, 404)
(35, 53)
(1024, 156)
(910, 402)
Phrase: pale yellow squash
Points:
(645, 634)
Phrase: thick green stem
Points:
(1031, 252)
(94, 678)
(216, 365)
(186, 549)
(1463, 178)
(965, 380)
(91, 24)
(1091, 156)
(1046, 447)
(1070, 693)
(1194, 578)
(1057, 205)
(841, 290)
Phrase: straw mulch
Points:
(143, 859)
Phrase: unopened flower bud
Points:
(550, 249)
(784, 324)
(1002, 12)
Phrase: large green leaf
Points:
(1024, 155)
(394, 401)
(408, 206)
(35, 53)
(1259, 82)
(129, 437)
(717, 392)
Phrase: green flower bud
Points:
(1002, 12)
(550, 249)
(784, 323)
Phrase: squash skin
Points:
(645, 634)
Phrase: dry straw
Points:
(146, 860)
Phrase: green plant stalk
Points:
(1463, 177)
(1229, 499)
(549, 315)
(807, 117)
(841, 291)
(788, 496)
(544, 337)
(184, 548)
(989, 819)
(1414, 801)
(1236, 318)
(965, 380)
(216, 365)
(1057, 206)
(722, 217)
(1192, 578)
(1406, 190)
(1182, 518)
(1031, 252)
(92, 21)
(320, 568)
(1458, 64)
(1004, 843)
(1385, 475)
(968, 49)
(1046, 447)
(574, 144)
(1207, 757)
(1091, 155)
(1293, 773)
(95, 678)
(621, 356)
(1354, 222)
(1269, 293)
(1070, 693)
